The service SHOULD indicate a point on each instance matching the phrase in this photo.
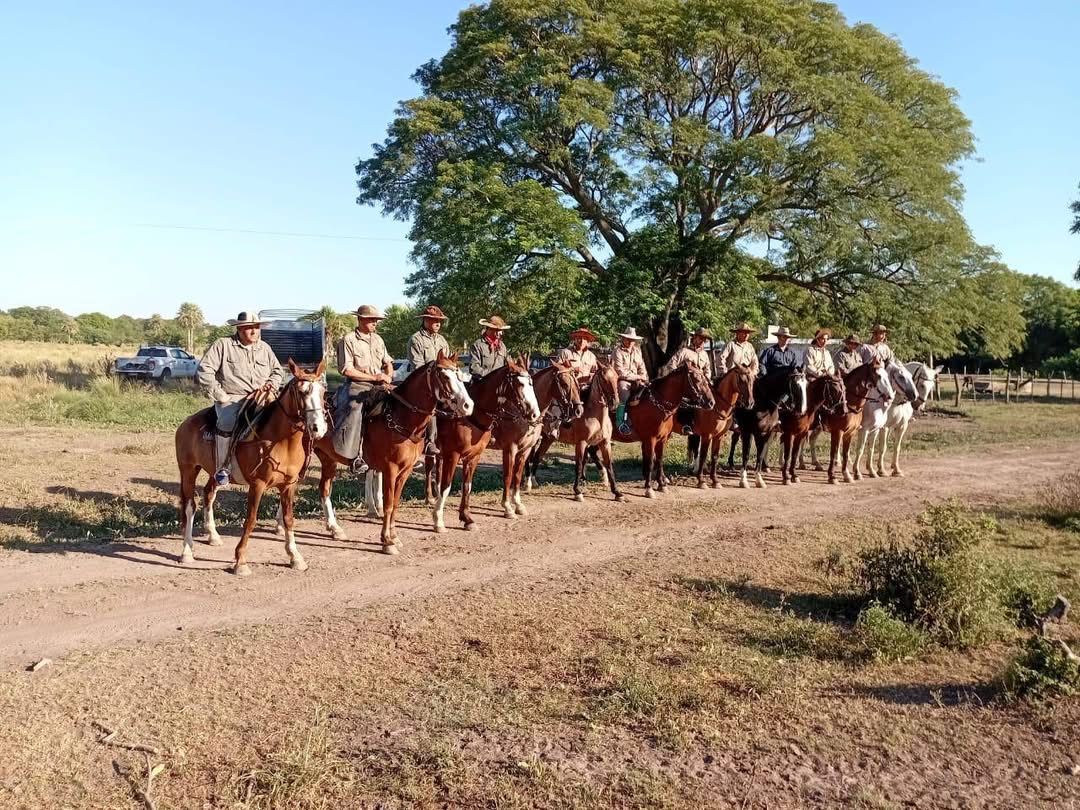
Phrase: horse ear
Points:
(292, 367)
(321, 369)
(939, 369)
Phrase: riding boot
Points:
(620, 420)
(221, 452)
(431, 447)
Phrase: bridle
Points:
(392, 421)
(510, 404)
(564, 390)
(834, 397)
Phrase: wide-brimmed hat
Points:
(823, 331)
(433, 313)
(631, 334)
(701, 331)
(879, 327)
(494, 322)
(743, 327)
(368, 312)
(585, 333)
(783, 331)
(246, 318)
(852, 338)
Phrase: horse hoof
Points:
(848, 479)
(579, 497)
(744, 485)
(760, 485)
(186, 558)
(701, 485)
(818, 468)
(440, 530)
(298, 565)
(429, 502)
(832, 480)
(619, 498)
(871, 474)
(392, 550)
(215, 540)
(279, 531)
(469, 527)
(242, 570)
(785, 482)
(521, 510)
(898, 474)
(339, 534)
(649, 494)
(795, 479)
(509, 514)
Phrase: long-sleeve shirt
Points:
(583, 362)
(773, 358)
(847, 362)
(881, 350)
(737, 354)
(486, 357)
(229, 370)
(423, 347)
(818, 361)
(629, 364)
(688, 357)
(363, 352)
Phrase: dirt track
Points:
(72, 598)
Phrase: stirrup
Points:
(687, 430)
(221, 477)
(625, 429)
(358, 466)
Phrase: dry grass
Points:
(31, 355)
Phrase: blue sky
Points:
(241, 116)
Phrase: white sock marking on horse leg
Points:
(759, 482)
(208, 519)
(187, 555)
(279, 529)
(437, 512)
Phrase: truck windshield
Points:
(152, 353)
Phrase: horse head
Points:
(879, 379)
(568, 393)
(606, 384)
(520, 387)
(925, 378)
(833, 394)
(447, 387)
(797, 386)
(901, 380)
(309, 398)
(697, 389)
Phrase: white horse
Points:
(876, 416)
(914, 383)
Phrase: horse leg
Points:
(255, 493)
(520, 459)
(813, 450)
(326, 487)
(593, 453)
(881, 453)
(209, 496)
(745, 437)
(288, 501)
(647, 448)
(901, 432)
(731, 452)
(188, 474)
(389, 486)
(785, 451)
(714, 451)
(468, 468)
(796, 453)
(872, 439)
(848, 437)
(509, 459)
(658, 463)
(537, 455)
(699, 460)
(373, 497)
(609, 469)
(447, 467)
(579, 469)
(762, 443)
(834, 449)
(860, 448)
(430, 472)
(399, 487)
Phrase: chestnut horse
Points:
(782, 389)
(845, 423)
(652, 417)
(591, 429)
(729, 389)
(508, 389)
(393, 437)
(825, 394)
(274, 454)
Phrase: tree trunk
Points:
(664, 336)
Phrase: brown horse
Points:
(737, 385)
(274, 454)
(517, 437)
(393, 438)
(845, 423)
(508, 390)
(824, 392)
(652, 417)
(592, 429)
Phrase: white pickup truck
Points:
(159, 363)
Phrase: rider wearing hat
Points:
(878, 346)
(630, 368)
(780, 354)
(423, 347)
(817, 361)
(739, 351)
(692, 355)
(489, 351)
(580, 356)
(364, 362)
(235, 370)
(849, 357)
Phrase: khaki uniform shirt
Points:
(365, 353)
(847, 362)
(818, 361)
(629, 364)
(882, 350)
(423, 347)
(486, 358)
(688, 357)
(229, 370)
(584, 363)
(738, 354)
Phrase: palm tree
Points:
(190, 317)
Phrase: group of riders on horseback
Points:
(578, 399)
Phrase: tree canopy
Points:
(670, 163)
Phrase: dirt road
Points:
(69, 598)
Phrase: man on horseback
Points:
(849, 358)
(364, 362)
(237, 371)
(878, 346)
(779, 355)
(630, 368)
(818, 362)
(489, 351)
(739, 352)
(692, 355)
(580, 356)
(423, 347)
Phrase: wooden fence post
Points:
(1008, 382)
(1048, 377)
(956, 382)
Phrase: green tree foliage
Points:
(190, 317)
(1052, 313)
(1074, 207)
(669, 163)
(401, 321)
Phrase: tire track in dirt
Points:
(52, 604)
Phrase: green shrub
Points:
(881, 636)
(1043, 669)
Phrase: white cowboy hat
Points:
(246, 317)
(631, 334)
(494, 322)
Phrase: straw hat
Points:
(823, 331)
(494, 322)
(852, 338)
(583, 333)
(631, 334)
(880, 328)
(246, 318)
(433, 313)
(367, 312)
(701, 331)
(783, 331)
(742, 327)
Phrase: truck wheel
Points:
(165, 375)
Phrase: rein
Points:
(395, 425)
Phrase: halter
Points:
(838, 403)
(403, 430)
(501, 411)
(562, 397)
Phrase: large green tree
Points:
(191, 320)
(668, 163)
